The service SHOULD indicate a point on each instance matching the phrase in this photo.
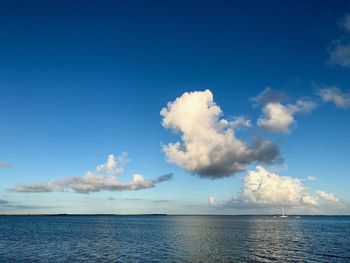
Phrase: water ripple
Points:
(174, 239)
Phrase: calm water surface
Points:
(174, 239)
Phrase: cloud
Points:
(208, 146)
(240, 122)
(103, 178)
(11, 205)
(346, 23)
(162, 201)
(211, 201)
(265, 189)
(335, 95)
(269, 95)
(339, 53)
(2, 164)
(277, 117)
(327, 196)
(311, 178)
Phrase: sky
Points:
(178, 107)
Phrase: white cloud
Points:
(340, 50)
(278, 117)
(340, 55)
(103, 178)
(311, 178)
(211, 201)
(209, 147)
(264, 187)
(327, 196)
(240, 122)
(269, 95)
(335, 95)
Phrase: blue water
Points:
(174, 239)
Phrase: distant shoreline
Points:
(63, 215)
(83, 214)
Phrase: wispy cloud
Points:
(327, 196)
(162, 201)
(103, 178)
(12, 205)
(335, 95)
(311, 178)
(269, 95)
(278, 117)
(339, 52)
(208, 146)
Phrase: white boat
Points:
(283, 215)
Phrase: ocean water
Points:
(174, 239)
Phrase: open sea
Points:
(174, 239)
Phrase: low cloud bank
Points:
(103, 178)
(263, 188)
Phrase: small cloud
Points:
(240, 122)
(335, 95)
(208, 146)
(211, 201)
(134, 199)
(12, 205)
(340, 55)
(311, 178)
(162, 201)
(269, 95)
(339, 52)
(327, 196)
(103, 178)
(278, 117)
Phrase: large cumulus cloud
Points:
(208, 146)
(103, 178)
(263, 188)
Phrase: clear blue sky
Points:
(80, 81)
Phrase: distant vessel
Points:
(283, 215)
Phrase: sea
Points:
(165, 238)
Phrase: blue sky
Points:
(82, 81)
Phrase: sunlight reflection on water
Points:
(174, 239)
